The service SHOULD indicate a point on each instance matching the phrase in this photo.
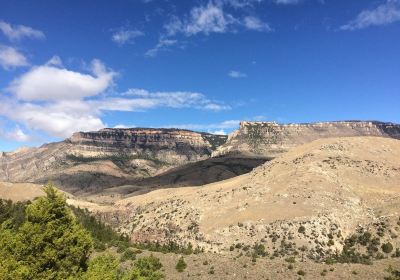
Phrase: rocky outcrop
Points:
(270, 138)
(107, 157)
(169, 145)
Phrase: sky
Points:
(204, 65)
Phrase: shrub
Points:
(302, 229)
(301, 272)
(387, 247)
(129, 254)
(181, 265)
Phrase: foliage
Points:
(146, 268)
(129, 254)
(387, 247)
(171, 247)
(103, 267)
(102, 234)
(49, 244)
(13, 212)
(45, 240)
(181, 265)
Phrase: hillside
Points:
(311, 200)
(92, 161)
(271, 139)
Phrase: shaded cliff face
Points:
(270, 138)
(168, 145)
(109, 157)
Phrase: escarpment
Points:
(108, 157)
(270, 138)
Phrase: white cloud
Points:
(386, 13)
(16, 135)
(212, 18)
(203, 19)
(255, 23)
(17, 32)
(48, 82)
(240, 3)
(124, 36)
(230, 124)
(124, 126)
(218, 132)
(287, 2)
(237, 74)
(162, 45)
(59, 101)
(144, 99)
(11, 58)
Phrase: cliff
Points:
(270, 138)
(107, 157)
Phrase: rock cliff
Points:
(270, 138)
(107, 157)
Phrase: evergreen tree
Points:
(49, 244)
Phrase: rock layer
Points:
(107, 157)
(270, 138)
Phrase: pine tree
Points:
(50, 244)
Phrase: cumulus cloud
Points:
(124, 36)
(48, 82)
(17, 32)
(386, 13)
(237, 74)
(11, 58)
(60, 101)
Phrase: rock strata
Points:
(271, 138)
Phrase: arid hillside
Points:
(92, 161)
(271, 139)
(311, 200)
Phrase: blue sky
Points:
(74, 65)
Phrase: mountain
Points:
(90, 161)
(271, 139)
(330, 195)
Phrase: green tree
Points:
(146, 268)
(103, 267)
(181, 265)
(49, 244)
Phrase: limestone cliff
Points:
(107, 157)
(270, 138)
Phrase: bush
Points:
(302, 229)
(181, 265)
(129, 254)
(301, 272)
(146, 268)
(387, 247)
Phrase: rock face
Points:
(270, 138)
(169, 145)
(107, 157)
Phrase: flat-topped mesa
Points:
(270, 138)
(118, 153)
(170, 145)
